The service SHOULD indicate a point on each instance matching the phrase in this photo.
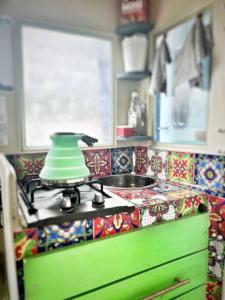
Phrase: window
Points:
(182, 112)
(67, 85)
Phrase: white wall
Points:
(91, 15)
(167, 13)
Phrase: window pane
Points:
(182, 112)
(67, 83)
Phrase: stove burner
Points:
(69, 196)
(98, 200)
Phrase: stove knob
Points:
(98, 198)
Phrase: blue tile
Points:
(61, 235)
(209, 174)
(121, 160)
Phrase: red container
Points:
(124, 131)
(134, 11)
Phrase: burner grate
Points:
(31, 185)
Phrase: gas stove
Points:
(42, 204)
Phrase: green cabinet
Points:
(133, 265)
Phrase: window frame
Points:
(19, 59)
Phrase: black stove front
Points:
(44, 205)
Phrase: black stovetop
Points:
(40, 204)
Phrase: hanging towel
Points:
(158, 79)
(197, 46)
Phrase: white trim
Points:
(10, 222)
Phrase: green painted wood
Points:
(193, 267)
(74, 270)
(197, 294)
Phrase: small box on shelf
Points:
(124, 131)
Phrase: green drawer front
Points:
(196, 294)
(192, 267)
(71, 271)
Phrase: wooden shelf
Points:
(134, 138)
(135, 76)
(130, 29)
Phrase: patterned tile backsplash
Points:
(210, 173)
(98, 161)
(29, 163)
(122, 160)
(157, 163)
(141, 160)
(181, 167)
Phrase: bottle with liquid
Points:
(137, 114)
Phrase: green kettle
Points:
(64, 163)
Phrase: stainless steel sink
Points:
(128, 181)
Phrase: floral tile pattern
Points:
(26, 164)
(214, 288)
(181, 167)
(157, 213)
(216, 255)
(133, 194)
(25, 243)
(121, 160)
(210, 173)
(141, 160)
(217, 216)
(165, 187)
(157, 163)
(189, 206)
(57, 236)
(98, 162)
(116, 223)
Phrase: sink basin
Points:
(128, 181)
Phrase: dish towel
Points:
(197, 46)
(158, 79)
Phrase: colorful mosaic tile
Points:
(26, 164)
(173, 161)
(98, 161)
(116, 223)
(181, 194)
(216, 255)
(57, 236)
(122, 160)
(165, 187)
(157, 213)
(181, 167)
(217, 216)
(157, 163)
(210, 173)
(141, 160)
(189, 205)
(133, 194)
(127, 194)
(214, 288)
(25, 243)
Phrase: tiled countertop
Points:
(167, 201)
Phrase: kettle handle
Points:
(89, 140)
